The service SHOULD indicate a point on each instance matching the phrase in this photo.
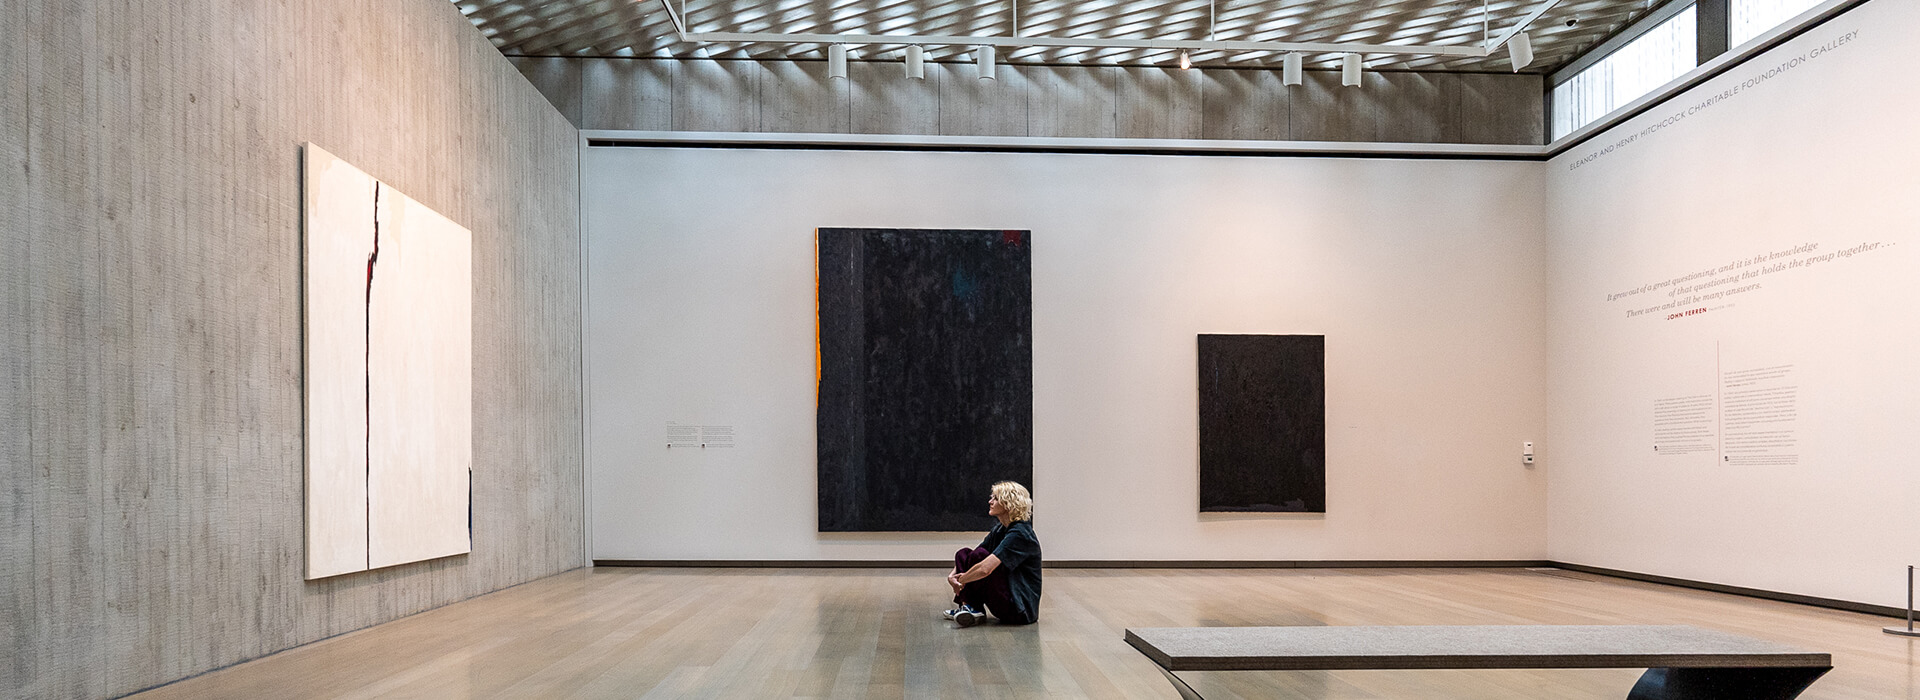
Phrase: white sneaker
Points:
(967, 617)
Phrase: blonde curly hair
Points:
(1015, 499)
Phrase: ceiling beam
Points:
(1517, 28)
(679, 23)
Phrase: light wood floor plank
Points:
(876, 633)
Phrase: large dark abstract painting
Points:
(926, 376)
(1263, 423)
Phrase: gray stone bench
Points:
(1682, 661)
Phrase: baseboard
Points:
(1829, 603)
(1086, 564)
(783, 563)
(1814, 601)
(1300, 564)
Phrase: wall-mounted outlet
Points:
(1526, 453)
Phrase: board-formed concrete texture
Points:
(1468, 646)
(151, 438)
(1145, 102)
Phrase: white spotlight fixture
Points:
(1290, 69)
(837, 61)
(1350, 70)
(1186, 62)
(1520, 49)
(917, 62)
(984, 56)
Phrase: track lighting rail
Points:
(1486, 49)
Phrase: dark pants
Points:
(989, 594)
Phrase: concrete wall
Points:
(150, 321)
(1809, 148)
(1044, 101)
(1424, 275)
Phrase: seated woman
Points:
(1002, 575)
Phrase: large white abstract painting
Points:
(389, 374)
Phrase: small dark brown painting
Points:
(1263, 423)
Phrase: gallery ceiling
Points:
(645, 28)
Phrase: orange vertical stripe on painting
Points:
(816, 317)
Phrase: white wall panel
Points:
(338, 201)
(420, 386)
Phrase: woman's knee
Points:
(966, 557)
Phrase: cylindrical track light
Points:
(837, 61)
(1186, 61)
(1520, 49)
(917, 62)
(1350, 70)
(984, 55)
(1290, 69)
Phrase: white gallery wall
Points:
(1424, 275)
(1733, 279)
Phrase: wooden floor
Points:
(860, 633)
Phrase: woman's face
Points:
(994, 508)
